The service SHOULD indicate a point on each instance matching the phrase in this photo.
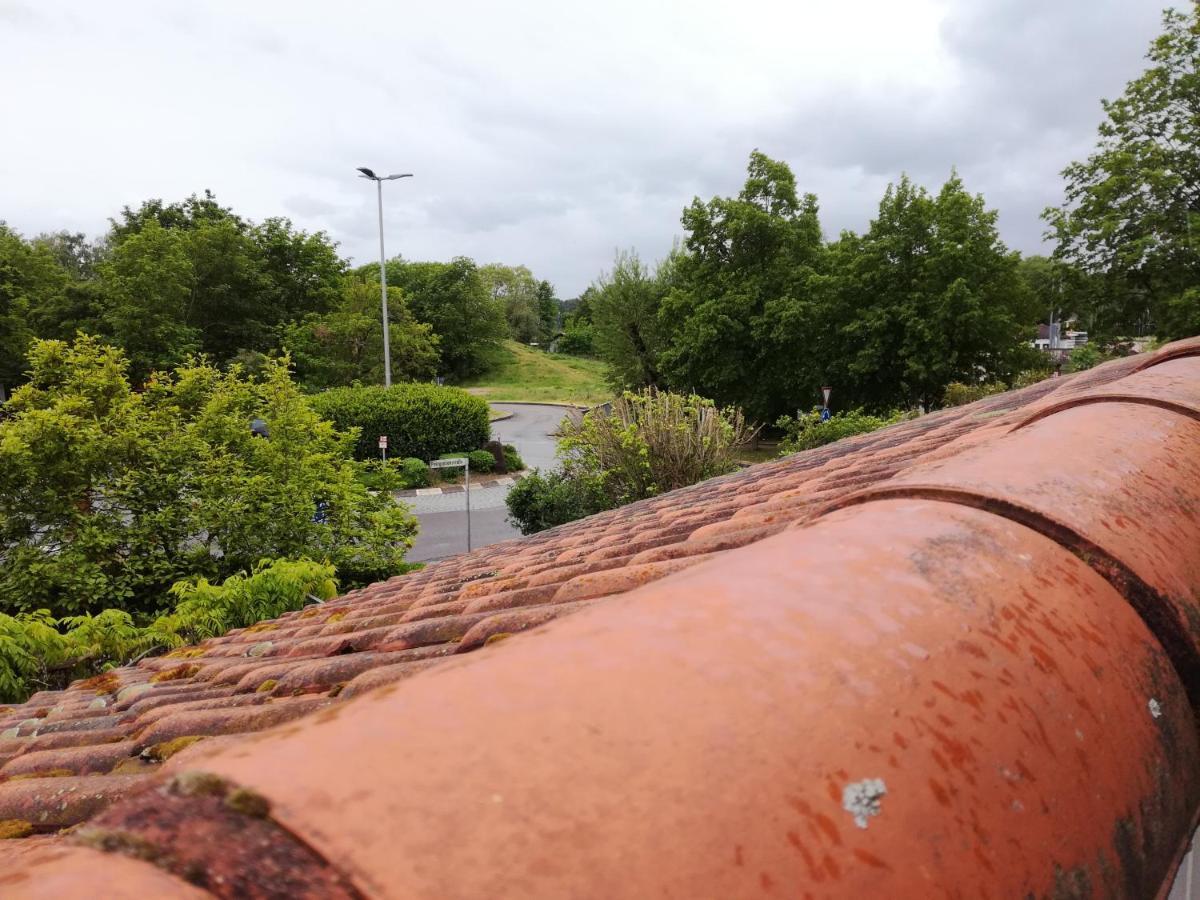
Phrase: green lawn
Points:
(532, 375)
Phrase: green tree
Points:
(345, 345)
(74, 252)
(929, 295)
(628, 333)
(245, 281)
(30, 279)
(741, 309)
(108, 496)
(453, 298)
(304, 272)
(149, 282)
(514, 289)
(548, 309)
(1131, 213)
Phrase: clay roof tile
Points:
(970, 629)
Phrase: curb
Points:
(538, 403)
(504, 481)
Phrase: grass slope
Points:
(531, 375)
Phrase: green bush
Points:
(420, 420)
(651, 442)
(394, 475)
(38, 652)
(537, 502)
(414, 473)
(482, 461)
(108, 496)
(1085, 357)
(809, 431)
(512, 459)
(578, 340)
(959, 394)
(1029, 376)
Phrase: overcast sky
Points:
(545, 133)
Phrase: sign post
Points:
(383, 447)
(453, 463)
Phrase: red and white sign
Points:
(383, 442)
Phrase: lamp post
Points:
(387, 349)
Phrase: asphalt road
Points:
(530, 430)
(443, 517)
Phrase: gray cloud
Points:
(541, 133)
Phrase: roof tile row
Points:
(1038, 549)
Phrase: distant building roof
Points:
(960, 654)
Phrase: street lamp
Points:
(387, 350)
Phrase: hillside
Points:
(526, 374)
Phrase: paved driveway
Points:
(443, 517)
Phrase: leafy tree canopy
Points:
(108, 496)
(741, 305)
(929, 295)
(454, 299)
(345, 345)
(1131, 213)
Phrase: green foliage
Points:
(394, 475)
(204, 278)
(482, 461)
(454, 299)
(1085, 357)
(414, 472)
(420, 420)
(39, 652)
(651, 442)
(108, 496)
(148, 284)
(512, 459)
(1129, 216)
(959, 394)
(928, 296)
(579, 339)
(1029, 376)
(528, 304)
(808, 431)
(628, 336)
(537, 502)
(205, 610)
(345, 345)
(29, 278)
(740, 304)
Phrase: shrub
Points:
(414, 473)
(959, 394)
(482, 461)
(108, 496)
(512, 459)
(1030, 376)
(394, 475)
(578, 340)
(538, 501)
(1085, 357)
(38, 652)
(420, 420)
(651, 442)
(809, 431)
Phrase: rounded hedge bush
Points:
(420, 420)
(482, 461)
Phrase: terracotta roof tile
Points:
(946, 606)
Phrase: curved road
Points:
(443, 517)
